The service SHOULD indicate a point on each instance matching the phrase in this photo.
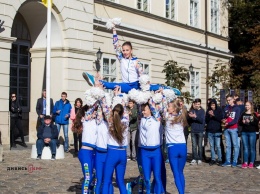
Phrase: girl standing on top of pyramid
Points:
(131, 70)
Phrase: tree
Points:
(244, 43)
(175, 77)
(223, 77)
(253, 71)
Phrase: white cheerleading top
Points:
(112, 143)
(102, 136)
(150, 133)
(89, 133)
(128, 70)
(174, 133)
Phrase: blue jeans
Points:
(214, 142)
(249, 141)
(196, 140)
(231, 138)
(65, 132)
(40, 144)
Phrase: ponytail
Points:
(117, 128)
(182, 113)
(77, 126)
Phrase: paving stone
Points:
(63, 176)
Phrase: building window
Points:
(195, 84)
(214, 91)
(194, 13)
(20, 73)
(146, 69)
(170, 9)
(214, 9)
(143, 5)
(109, 69)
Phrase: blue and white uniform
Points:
(116, 159)
(177, 150)
(101, 144)
(85, 155)
(151, 155)
(131, 70)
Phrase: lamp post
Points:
(97, 62)
(191, 68)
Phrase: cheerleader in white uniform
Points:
(85, 155)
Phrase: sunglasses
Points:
(13, 96)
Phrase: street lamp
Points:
(97, 62)
(191, 68)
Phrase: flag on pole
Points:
(45, 2)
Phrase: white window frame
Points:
(142, 5)
(214, 92)
(214, 16)
(146, 68)
(170, 8)
(197, 90)
(192, 18)
(114, 1)
(109, 75)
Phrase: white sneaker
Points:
(258, 167)
(199, 162)
(193, 162)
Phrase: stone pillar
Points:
(5, 46)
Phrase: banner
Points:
(242, 95)
(250, 96)
(222, 94)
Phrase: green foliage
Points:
(176, 76)
(223, 77)
(244, 32)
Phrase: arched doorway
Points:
(20, 67)
(27, 59)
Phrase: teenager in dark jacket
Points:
(15, 117)
(231, 118)
(197, 122)
(249, 123)
(214, 130)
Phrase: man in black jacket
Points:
(15, 115)
(41, 107)
(47, 135)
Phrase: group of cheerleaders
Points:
(105, 130)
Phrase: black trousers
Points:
(16, 122)
(77, 138)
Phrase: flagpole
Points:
(48, 58)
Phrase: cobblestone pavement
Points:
(63, 176)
